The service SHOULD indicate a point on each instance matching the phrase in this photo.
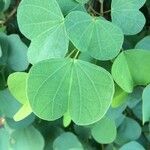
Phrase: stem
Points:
(71, 53)
(76, 54)
(105, 12)
(102, 7)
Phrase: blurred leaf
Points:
(4, 139)
(27, 139)
(8, 104)
(67, 141)
(132, 145)
(144, 43)
(146, 104)
(128, 131)
(104, 131)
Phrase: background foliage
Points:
(74, 74)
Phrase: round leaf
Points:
(132, 145)
(99, 37)
(67, 141)
(104, 131)
(70, 85)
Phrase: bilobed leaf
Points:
(99, 37)
(45, 28)
(18, 86)
(27, 139)
(146, 104)
(144, 43)
(104, 131)
(69, 85)
(70, 5)
(132, 145)
(67, 141)
(127, 16)
(130, 69)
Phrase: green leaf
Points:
(4, 139)
(119, 97)
(144, 43)
(127, 16)
(65, 87)
(17, 53)
(146, 104)
(67, 141)
(27, 139)
(70, 5)
(129, 71)
(17, 85)
(99, 37)
(104, 131)
(128, 131)
(1, 51)
(132, 145)
(8, 104)
(45, 27)
(66, 119)
(82, 1)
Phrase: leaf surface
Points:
(70, 85)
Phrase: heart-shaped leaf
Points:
(126, 14)
(99, 37)
(70, 85)
(131, 68)
(45, 27)
(146, 104)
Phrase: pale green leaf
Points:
(126, 14)
(104, 131)
(66, 119)
(144, 43)
(67, 141)
(45, 28)
(17, 84)
(27, 139)
(119, 98)
(65, 87)
(132, 145)
(99, 37)
(4, 139)
(146, 104)
(130, 69)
